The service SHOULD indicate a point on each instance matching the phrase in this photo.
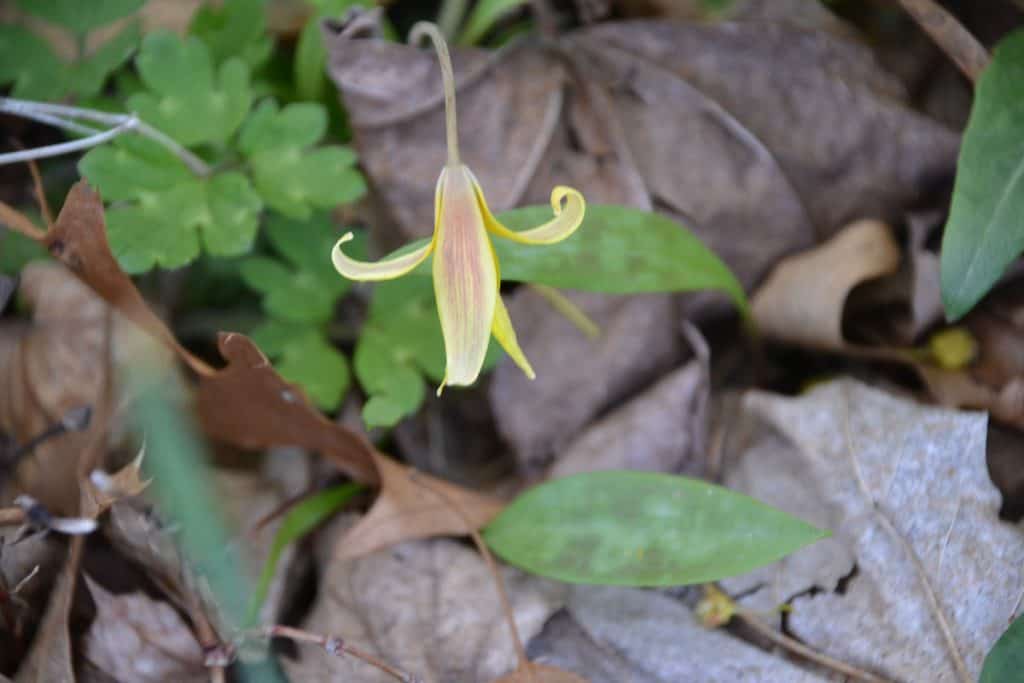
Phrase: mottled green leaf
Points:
(80, 16)
(985, 230)
(169, 214)
(618, 250)
(188, 99)
(1005, 661)
(299, 521)
(307, 288)
(238, 28)
(290, 176)
(642, 529)
(29, 63)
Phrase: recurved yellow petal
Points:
(386, 269)
(565, 222)
(506, 336)
(465, 277)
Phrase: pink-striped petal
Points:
(386, 269)
(465, 276)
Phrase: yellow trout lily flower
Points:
(465, 268)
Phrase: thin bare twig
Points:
(336, 646)
(524, 663)
(950, 35)
(37, 186)
(796, 647)
(63, 116)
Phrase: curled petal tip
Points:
(385, 269)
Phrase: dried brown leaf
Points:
(248, 404)
(48, 368)
(137, 638)
(802, 300)
(49, 659)
(405, 509)
(428, 607)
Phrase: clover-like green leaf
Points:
(89, 74)
(303, 355)
(292, 178)
(305, 288)
(28, 62)
(401, 348)
(16, 250)
(169, 214)
(238, 28)
(80, 16)
(187, 98)
(642, 529)
(1005, 661)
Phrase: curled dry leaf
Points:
(429, 607)
(137, 638)
(905, 491)
(798, 304)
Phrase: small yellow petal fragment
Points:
(953, 348)
(387, 269)
(506, 336)
(565, 222)
(716, 608)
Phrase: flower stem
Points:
(425, 28)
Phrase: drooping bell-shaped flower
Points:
(465, 268)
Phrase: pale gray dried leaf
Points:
(578, 377)
(908, 493)
(137, 638)
(613, 634)
(429, 607)
(663, 429)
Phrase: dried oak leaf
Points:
(248, 404)
(49, 659)
(429, 607)
(933, 573)
(137, 638)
